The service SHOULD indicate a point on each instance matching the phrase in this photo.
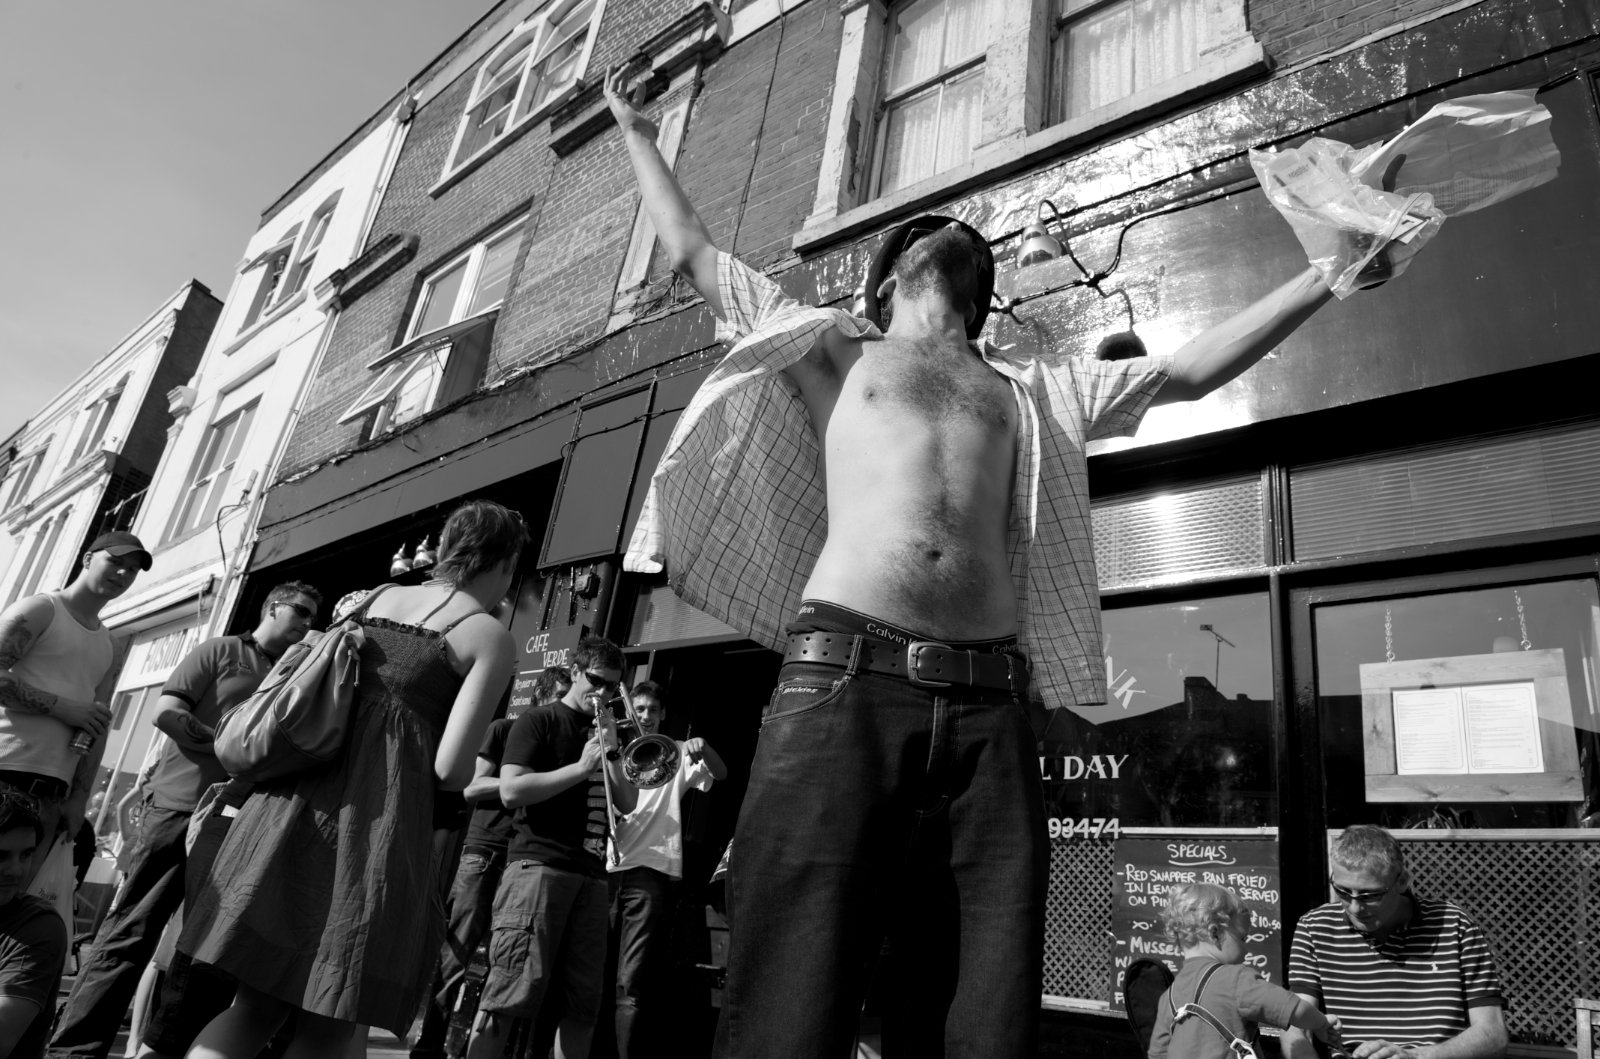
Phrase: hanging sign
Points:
(1146, 868)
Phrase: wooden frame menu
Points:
(1472, 728)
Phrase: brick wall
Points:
(749, 161)
(1293, 31)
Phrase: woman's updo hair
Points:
(479, 536)
(1194, 908)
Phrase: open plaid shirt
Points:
(737, 515)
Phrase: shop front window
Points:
(1185, 740)
(1173, 780)
(1468, 709)
(1464, 721)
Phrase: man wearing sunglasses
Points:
(210, 680)
(551, 910)
(1408, 977)
(902, 509)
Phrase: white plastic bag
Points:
(1348, 206)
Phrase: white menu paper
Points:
(1482, 728)
(1428, 736)
(1502, 728)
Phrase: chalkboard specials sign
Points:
(1146, 868)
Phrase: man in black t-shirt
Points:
(551, 910)
(33, 940)
(483, 858)
(210, 680)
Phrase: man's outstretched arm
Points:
(1222, 353)
(683, 234)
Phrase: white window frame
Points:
(305, 256)
(1225, 20)
(200, 487)
(534, 34)
(889, 102)
(24, 469)
(268, 295)
(96, 421)
(399, 365)
(45, 540)
(1014, 129)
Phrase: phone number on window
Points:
(1068, 828)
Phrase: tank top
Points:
(67, 660)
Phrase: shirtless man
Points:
(919, 503)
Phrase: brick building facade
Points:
(566, 351)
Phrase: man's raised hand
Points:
(629, 119)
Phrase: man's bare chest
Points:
(937, 387)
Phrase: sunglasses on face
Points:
(1360, 897)
(304, 612)
(600, 683)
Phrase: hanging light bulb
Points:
(425, 556)
(399, 563)
(1038, 245)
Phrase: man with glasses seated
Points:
(552, 908)
(212, 679)
(1408, 977)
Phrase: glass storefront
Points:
(1186, 738)
(1473, 701)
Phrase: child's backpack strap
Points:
(1236, 1044)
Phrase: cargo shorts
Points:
(546, 918)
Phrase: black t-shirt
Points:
(569, 830)
(491, 822)
(33, 949)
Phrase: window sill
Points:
(471, 165)
(1248, 60)
(262, 324)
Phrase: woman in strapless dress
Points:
(323, 898)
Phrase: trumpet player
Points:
(561, 777)
(646, 863)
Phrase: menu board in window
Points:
(1470, 728)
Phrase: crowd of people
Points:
(893, 790)
(286, 914)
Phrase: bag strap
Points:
(1236, 1044)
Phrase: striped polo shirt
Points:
(1415, 988)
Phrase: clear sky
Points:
(141, 139)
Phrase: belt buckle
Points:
(911, 663)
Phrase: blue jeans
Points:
(879, 807)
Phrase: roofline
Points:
(165, 306)
(378, 116)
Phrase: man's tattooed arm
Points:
(15, 693)
(173, 718)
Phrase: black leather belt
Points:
(925, 663)
(35, 784)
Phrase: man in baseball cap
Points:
(119, 543)
(56, 675)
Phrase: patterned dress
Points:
(323, 894)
